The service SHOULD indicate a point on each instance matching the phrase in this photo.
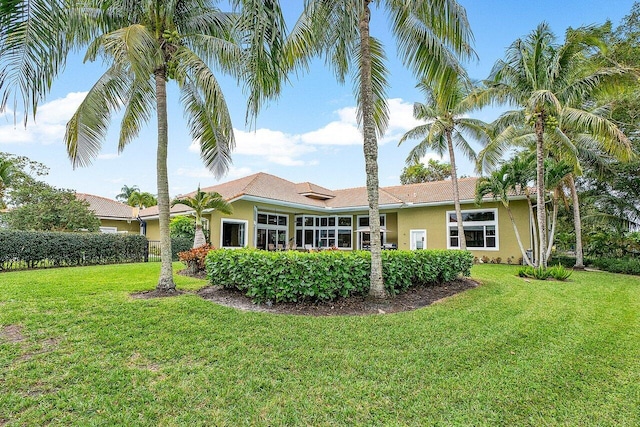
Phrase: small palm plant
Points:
(200, 202)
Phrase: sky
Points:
(308, 134)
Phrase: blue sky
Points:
(307, 134)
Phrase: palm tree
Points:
(546, 81)
(431, 36)
(201, 202)
(6, 175)
(125, 192)
(444, 131)
(32, 51)
(142, 199)
(148, 43)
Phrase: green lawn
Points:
(509, 352)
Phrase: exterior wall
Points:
(433, 219)
(122, 225)
(153, 229)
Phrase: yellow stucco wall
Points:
(133, 227)
(153, 229)
(433, 219)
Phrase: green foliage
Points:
(182, 226)
(195, 258)
(418, 172)
(558, 272)
(32, 249)
(617, 265)
(327, 275)
(538, 273)
(180, 244)
(608, 244)
(42, 207)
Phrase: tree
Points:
(417, 172)
(201, 202)
(431, 36)
(6, 175)
(149, 43)
(142, 200)
(125, 193)
(32, 51)
(549, 83)
(444, 114)
(39, 206)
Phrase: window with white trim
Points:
(234, 233)
(324, 231)
(271, 231)
(480, 229)
(364, 237)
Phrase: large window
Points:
(324, 231)
(234, 233)
(271, 231)
(480, 229)
(364, 236)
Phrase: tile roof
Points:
(106, 208)
(272, 188)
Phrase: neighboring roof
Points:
(270, 188)
(106, 208)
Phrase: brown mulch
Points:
(413, 299)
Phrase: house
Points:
(271, 212)
(115, 217)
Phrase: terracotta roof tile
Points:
(106, 208)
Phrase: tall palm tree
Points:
(126, 192)
(201, 202)
(33, 48)
(150, 42)
(444, 130)
(546, 80)
(431, 36)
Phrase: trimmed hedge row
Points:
(324, 276)
(31, 249)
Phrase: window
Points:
(109, 230)
(480, 229)
(364, 237)
(324, 231)
(234, 233)
(271, 231)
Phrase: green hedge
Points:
(617, 265)
(323, 276)
(32, 249)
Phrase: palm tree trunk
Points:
(518, 238)
(370, 148)
(532, 224)
(542, 217)
(199, 239)
(554, 220)
(456, 194)
(577, 224)
(165, 282)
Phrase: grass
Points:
(509, 352)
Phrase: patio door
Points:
(418, 239)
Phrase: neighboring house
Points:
(271, 212)
(115, 217)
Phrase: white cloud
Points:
(334, 133)
(108, 156)
(49, 126)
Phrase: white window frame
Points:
(108, 230)
(234, 221)
(383, 238)
(494, 223)
(412, 243)
(317, 229)
(267, 227)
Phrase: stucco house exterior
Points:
(115, 217)
(273, 213)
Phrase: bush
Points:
(180, 244)
(558, 272)
(617, 265)
(538, 273)
(31, 249)
(195, 258)
(324, 276)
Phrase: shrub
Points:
(617, 265)
(559, 272)
(291, 276)
(180, 244)
(31, 249)
(537, 273)
(195, 258)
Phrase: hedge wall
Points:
(294, 276)
(31, 249)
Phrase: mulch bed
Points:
(413, 299)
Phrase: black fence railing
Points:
(178, 244)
